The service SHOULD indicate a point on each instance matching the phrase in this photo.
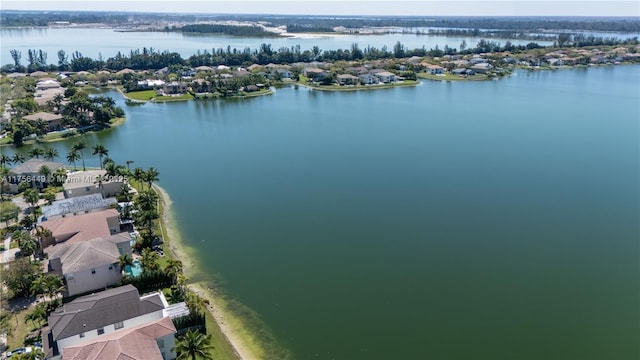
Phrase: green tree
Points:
(46, 174)
(150, 176)
(124, 260)
(101, 151)
(19, 276)
(31, 197)
(17, 158)
(149, 260)
(9, 211)
(35, 153)
(194, 345)
(27, 244)
(139, 176)
(72, 157)
(4, 160)
(173, 267)
(79, 147)
(51, 154)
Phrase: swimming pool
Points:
(133, 270)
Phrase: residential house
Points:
(434, 69)
(368, 79)
(89, 182)
(45, 84)
(204, 68)
(147, 341)
(201, 86)
(125, 71)
(463, 72)
(555, 62)
(357, 71)
(481, 67)
(250, 88)
(284, 73)
(314, 74)
(79, 205)
(150, 84)
(174, 87)
(39, 74)
(113, 324)
(81, 227)
(254, 67)
(29, 171)
(347, 79)
(386, 77)
(52, 122)
(88, 265)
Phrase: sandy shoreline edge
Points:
(231, 327)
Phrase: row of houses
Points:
(84, 238)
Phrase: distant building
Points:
(29, 171)
(53, 122)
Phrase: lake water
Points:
(470, 220)
(92, 42)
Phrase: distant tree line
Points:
(149, 58)
(616, 24)
(293, 28)
(233, 30)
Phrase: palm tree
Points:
(194, 345)
(173, 268)
(139, 176)
(101, 151)
(4, 160)
(17, 158)
(31, 196)
(72, 157)
(79, 146)
(45, 172)
(36, 153)
(111, 168)
(149, 260)
(51, 154)
(124, 260)
(53, 285)
(129, 162)
(99, 180)
(59, 177)
(27, 244)
(151, 175)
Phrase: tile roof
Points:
(81, 227)
(104, 308)
(89, 254)
(135, 343)
(44, 116)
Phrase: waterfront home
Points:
(434, 69)
(52, 122)
(150, 84)
(386, 77)
(357, 70)
(89, 182)
(254, 67)
(314, 73)
(555, 62)
(462, 72)
(201, 86)
(250, 88)
(368, 79)
(29, 171)
(78, 205)
(81, 227)
(174, 87)
(481, 67)
(347, 79)
(88, 265)
(113, 324)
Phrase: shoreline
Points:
(117, 122)
(231, 327)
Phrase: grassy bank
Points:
(151, 96)
(237, 331)
(452, 77)
(60, 136)
(335, 87)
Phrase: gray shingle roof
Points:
(98, 310)
(88, 254)
(32, 166)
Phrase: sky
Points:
(346, 7)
